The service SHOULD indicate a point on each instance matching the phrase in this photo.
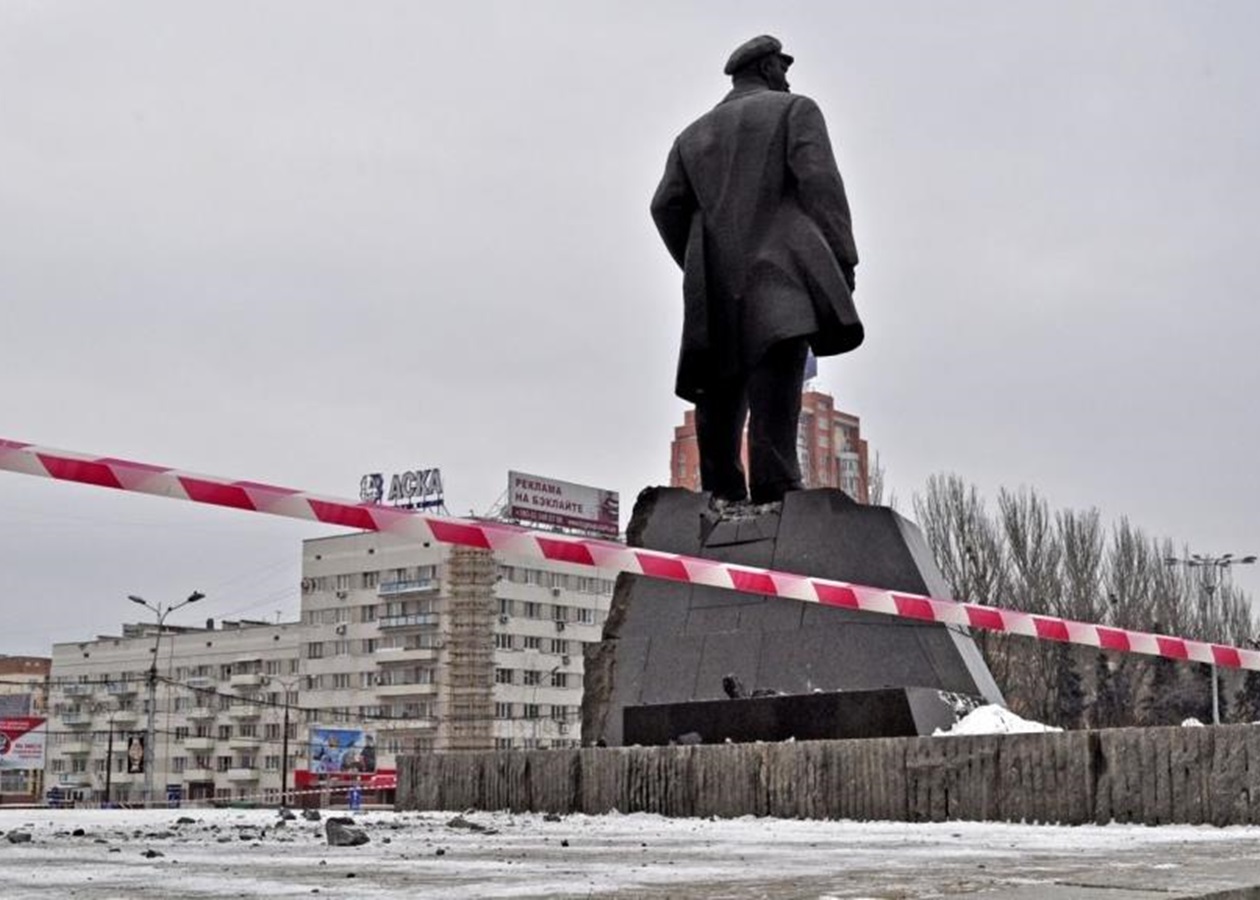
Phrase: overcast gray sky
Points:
(299, 241)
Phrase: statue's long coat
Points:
(753, 209)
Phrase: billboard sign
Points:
(135, 754)
(22, 741)
(16, 705)
(547, 501)
(342, 750)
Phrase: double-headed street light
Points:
(1212, 569)
(161, 612)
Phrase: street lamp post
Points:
(1211, 571)
(161, 612)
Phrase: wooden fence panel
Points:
(1152, 775)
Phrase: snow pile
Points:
(993, 719)
(1192, 722)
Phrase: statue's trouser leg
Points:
(720, 415)
(774, 406)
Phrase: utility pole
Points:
(284, 758)
(1213, 569)
(109, 763)
(150, 732)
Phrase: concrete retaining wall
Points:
(1149, 775)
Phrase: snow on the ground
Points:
(224, 852)
(993, 719)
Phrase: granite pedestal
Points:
(670, 643)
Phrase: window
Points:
(560, 679)
(532, 642)
(503, 641)
(371, 579)
(272, 667)
(225, 672)
(271, 763)
(503, 710)
(315, 650)
(370, 645)
(223, 763)
(367, 613)
(178, 763)
(531, 710)
(532, 677)
(559, 646)
(271, 731)
(343, 582)
(560, 613)
(225, 732)
(533, 610)
(505, 606)
(181, 732)
(503, 676)
(341, 680)
(247, 729)
(503, 743)
(341, 648)
(585, 616)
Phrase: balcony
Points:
(76, 719)
(403, 690)
(243, 773)
(201, 713)
(121, 689)
(412, 621)
(76, 748)
(124, 717)
(416, 586)
(241, 742)
(245, 711)
(387, 655)
(248, 681)
(77, 690)
(201, 682)
(199, 743)
(199, 774)
(75, 779)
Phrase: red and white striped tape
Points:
(512, 540)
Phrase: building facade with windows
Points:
(219, 712)
(436, 647)
(423, 647)
(829, 445)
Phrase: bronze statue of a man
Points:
(752, 207)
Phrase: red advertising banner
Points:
(22, 741)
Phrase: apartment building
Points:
(829, 446)
(435, 647)
(421, 647)
(219, 711)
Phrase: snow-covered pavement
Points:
(247, 853)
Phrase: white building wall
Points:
(219, 712)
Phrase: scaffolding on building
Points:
(466, 696)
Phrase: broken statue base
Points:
(672, 644)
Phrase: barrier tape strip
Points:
(514, 540)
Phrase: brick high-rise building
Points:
(829, 444)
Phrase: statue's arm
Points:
(818, 182)
(673, 205)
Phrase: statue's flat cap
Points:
(751, 51)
